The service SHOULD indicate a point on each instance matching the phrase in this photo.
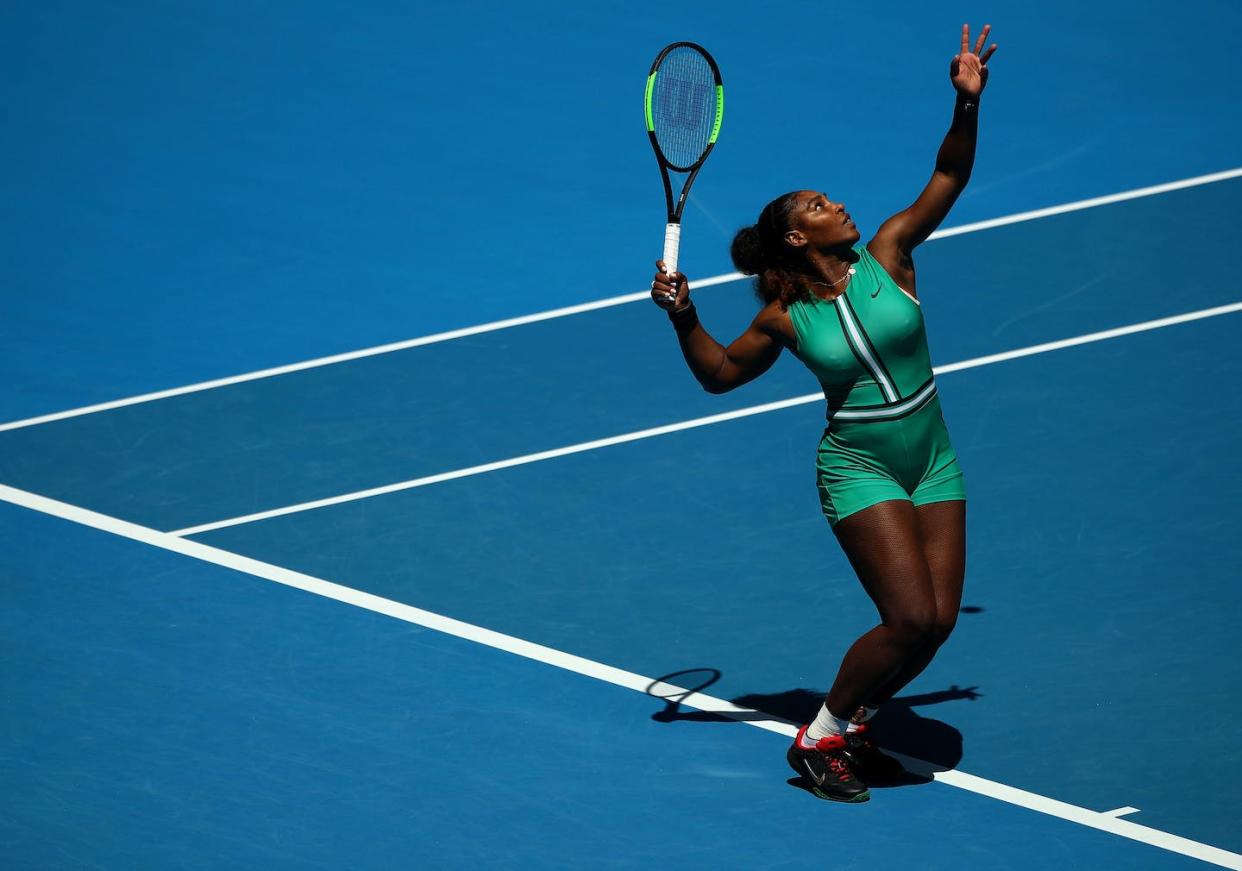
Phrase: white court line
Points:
(1121, 812)
(591, 306)
(692, 424)
(1090, 203)
(354, 355)
(599, 671)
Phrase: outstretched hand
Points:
(969, 69)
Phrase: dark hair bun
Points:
(748, 251)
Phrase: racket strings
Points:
(684, 106)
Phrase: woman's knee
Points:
(913, 627)
(943, 627)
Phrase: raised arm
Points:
(718, 368)
(901, 233)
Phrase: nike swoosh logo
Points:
(877, 292)
(818, 778)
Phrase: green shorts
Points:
(861, 463)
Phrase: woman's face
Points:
(818, 222)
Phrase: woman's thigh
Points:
(942, 533)
(884, 544)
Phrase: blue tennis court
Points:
(357, 511)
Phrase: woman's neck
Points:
(831, 269)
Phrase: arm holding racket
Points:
(900, 234)
(718, 368)
(684, 106)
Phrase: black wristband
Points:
(684, 319)
(967, 104)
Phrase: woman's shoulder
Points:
(773, 312)
(774, 320)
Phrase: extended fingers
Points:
(983, 38)
(980, 42)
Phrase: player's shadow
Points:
(897, 726)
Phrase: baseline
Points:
(609, 674)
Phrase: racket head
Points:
(684, 105)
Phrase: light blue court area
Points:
(174, 714)
(199, 192)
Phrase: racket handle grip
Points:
(672, 243)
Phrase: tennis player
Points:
(889, 480)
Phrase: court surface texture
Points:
(358, 511)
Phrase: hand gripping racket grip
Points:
(672, 243)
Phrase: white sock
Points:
(862, 715)
(825, 724)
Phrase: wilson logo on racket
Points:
(684, 106)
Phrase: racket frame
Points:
(672, 230)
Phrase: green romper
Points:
(886, 437)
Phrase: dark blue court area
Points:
(222, 649)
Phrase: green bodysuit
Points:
(886, 437)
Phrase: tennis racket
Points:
(684, 105)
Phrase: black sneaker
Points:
(868, 762)
(825, 769)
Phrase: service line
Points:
(694, 423)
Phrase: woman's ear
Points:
(795, 238)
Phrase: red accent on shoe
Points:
(829, 743)
(838, 767)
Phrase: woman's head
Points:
(791, 229)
